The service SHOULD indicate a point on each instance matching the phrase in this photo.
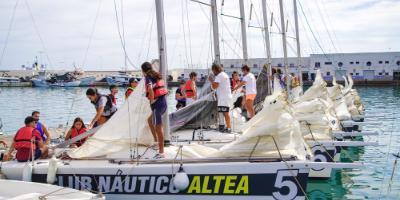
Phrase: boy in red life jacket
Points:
(77, 128)
(27, 141)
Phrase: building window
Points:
(232, 66)
(279, 64)
(387, 62)
(380, 73)
(340, 64)
(387, 73)
(328, 73)
(398, 63)
(357, 62)
(328, 63)
(255, 66)
(351, 74)
(380, 62)
(357, 74)
(317, 64)
(351, 63)
(369, 63)
(291, 65)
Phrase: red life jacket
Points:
(159, 89)
(23, 138)
(75, 132)
(188, 89)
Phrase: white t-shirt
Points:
(251, 85)
(224, 94)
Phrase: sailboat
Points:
(266, 162)
(19, 190)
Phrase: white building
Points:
(384, 66)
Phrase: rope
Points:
(9, 31)
(92, 33)
(38, 33)
(121, 37)
(312, 32)
(190, 40)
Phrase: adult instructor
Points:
(224, 96)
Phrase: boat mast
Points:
(244, 35)
(214, 18)
(267, 45)
(296, 23)
(285, 61)
(162, 50)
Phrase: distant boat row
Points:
(70, 79)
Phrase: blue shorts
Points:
(159, 107)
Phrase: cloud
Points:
(66, 26)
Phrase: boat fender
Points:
(181, 179)
(52, 170)
(27, 172)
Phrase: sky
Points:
(84, 33)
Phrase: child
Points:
(77, 128)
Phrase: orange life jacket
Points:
(75, 132)
(23, 138)
(159, 89)
(188, 89)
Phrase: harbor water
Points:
(379, 179)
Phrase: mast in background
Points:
(285, 60)
(244, 35)
(214, 18)
(162, 50)
(296, 23)
(267, 45)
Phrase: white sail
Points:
(126, 127)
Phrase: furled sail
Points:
(200, 113)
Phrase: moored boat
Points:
(20, 190)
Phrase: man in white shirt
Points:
(223, 90)
(251, 90)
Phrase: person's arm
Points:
(194, 89)
(67, 137)
(46, 132)
(178, 96)
(97, 116)
(240, 84)
(3, 143)
(214, 85)
(8, 156)
(150, 92)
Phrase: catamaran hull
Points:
(225, 180)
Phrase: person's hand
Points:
(90, 126)
(4, 144)
(7, 157)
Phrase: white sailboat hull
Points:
(18, 190)
(217, 180)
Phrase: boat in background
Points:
(40, 80)
(121, 79)
(20, 190)
(6, 81)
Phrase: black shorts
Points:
(223, 109)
